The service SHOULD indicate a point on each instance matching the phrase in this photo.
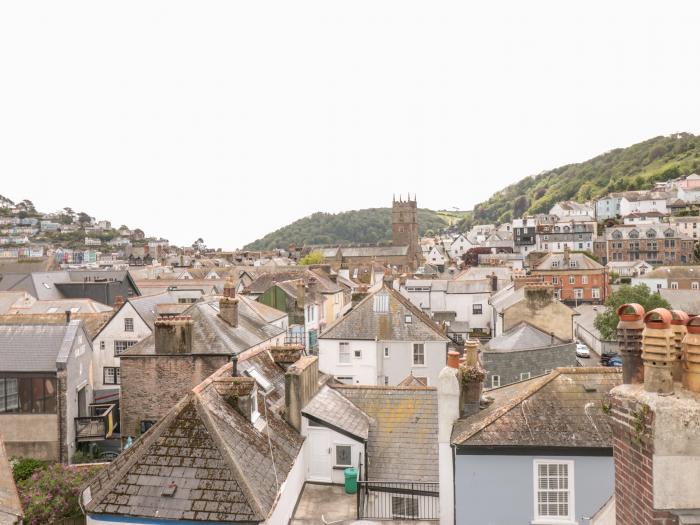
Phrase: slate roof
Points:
(92, 322)
(333, 408)
(226, 468)
(673, 272)
(686, 300)
(146, 305)
(474, 273)
(583, 262)
(363, 323)
(522, 336)
(267, 279)
(212, 335)
(403, 431)
(36, 348)
(374, 251)
(561, 409)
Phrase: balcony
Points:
(100, 425)
(405, 501)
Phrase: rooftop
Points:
(36, 348)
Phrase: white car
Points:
(582, 350)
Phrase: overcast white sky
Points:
(229, 119)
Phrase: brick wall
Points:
(633, 449)
(151, 385)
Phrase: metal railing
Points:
(398, 500)
(100, 425)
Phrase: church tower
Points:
(404, 226)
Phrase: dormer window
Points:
(651, 234)
(555, 264)
(260, 380)
(617, 234)
(634, 234)
(669, 233)
(572, 264)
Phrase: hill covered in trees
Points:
(636, 167)
(371, 225)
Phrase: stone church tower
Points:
(404, 226)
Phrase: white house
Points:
(435, 257)
(572, 209)
(460, 246)
(642, 202)
(382, 341)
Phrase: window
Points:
(404, 507)
(695, 285)
(555, 264)
(408, 319)
(572, 279)
(554, 482)
(572, 264)
(146, 424)
(674, 285)
(595, 293)
(418, 354)
(495, 381)
(357, 354)
(477, 309)
(121, 346)
(343, 455)
(346, 380)
(386, 380)
(578, 293)
(344, 353)
(260, 379)
(555, 280)
(381, 303)
(310, 313)
(111, 375)
(386, 351)
(584, 279)
(102, 345)
(524, 376)
(28, 395)
(128, 324)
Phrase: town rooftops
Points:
(92, 322)
(212, 335)
(674, 272)
(403, 426)
(563, 409)
(268, 279)
(374, 251)
(686, 300)
(522, 336)
(331, 407)
(576, 261)
(383, 316)
(204, 462)
(36, 348)
(643, 231)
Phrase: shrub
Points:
(51, 494)
(23, 468)
(471, 374)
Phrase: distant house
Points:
(436, 257)
(671, 277)
(575, 277)
(570, 209)
(629, 268)
(45, 390)
(653, 243)
(381, 341)
(522, 352)
(643, 202)
(608, 207)
(546, 443)
(460, 246)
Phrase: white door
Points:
(320, 455)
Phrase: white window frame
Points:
(525, 375)
(595, 293)
(674, 285)
(128, 324)
(578, 293)
(572, 279)
(335, 455)
(381, 303)
(584, 279)
(413, 354)
(344, 353)
(408, 319)
(495, 381)
(695, 285)
(558, 520)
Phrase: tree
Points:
(312, 258)
(606, 322)
(520, 205)
(84, 218)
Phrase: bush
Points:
(625, 280)
(51, 494)
(23, 468)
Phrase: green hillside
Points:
(636, 167)
(371, 225)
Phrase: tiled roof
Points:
(92, 322)
(374, 251)
(673, 272)
(212, 335)
(522, 336)
(331, 407)
(225, 468)
(581, 260)
(265, 280)
(363, 323)
(35, 348)
(403, 431)
(561, 409)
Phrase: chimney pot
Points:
(691, 356)
(629, 337)
(658, 351)
(234, 365)
(678, 327)
(453, 359)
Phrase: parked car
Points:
(615, 361)
(582, 350)
(606, 357)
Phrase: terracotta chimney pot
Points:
(658, 351)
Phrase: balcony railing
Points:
(98, 426)
(397, 500)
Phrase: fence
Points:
(386, 500)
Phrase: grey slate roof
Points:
(403, 431)
(561, 409)
(212, 335)
(226, 469)
(331, 407)
(374, 251)
(267, 279)
(582, 262)
(363, 323)
(36, 348)
(522, 336)
(686, 300)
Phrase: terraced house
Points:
(653, 243)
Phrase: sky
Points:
(230, 119)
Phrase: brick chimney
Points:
(301, 385)
(240, 393)
(658, 351)
(118, 302)
(301, 292)
(629, 338)
(286, 355)
(678, 327)
(173, 335)
(228, 305)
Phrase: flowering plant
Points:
(471, 374)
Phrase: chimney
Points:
(494, 282)
(334, 277)
(173, 335)
(471, 378)
(300, 386)
(448, 392)
(234, 365)
(658, 351)
(286, 355)
(301, 292)
(629, 338)
(567, 255)
(118, 302)
(68, 314)
(691, 356)
(239, 393)
(228, 305)
(678, 327)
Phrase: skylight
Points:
(260, 379)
